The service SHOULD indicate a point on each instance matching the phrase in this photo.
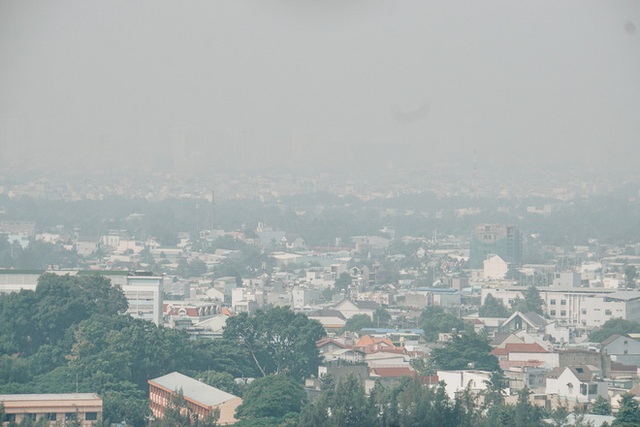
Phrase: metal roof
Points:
(193, 389)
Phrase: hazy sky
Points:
(308, 84)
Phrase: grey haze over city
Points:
(360, 87)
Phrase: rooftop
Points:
(193, 389)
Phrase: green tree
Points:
(531, 302)
(221, 380)
(493, 307)
(278, 340)
(30, 319)
(178, 414)
(630, 276)
(273, 396)
(629, 413)
(381, 317)
(465, 351)
(612, 327)
(358, 322)
(600, 406)
(525, 414)
(349, 406)
(434, 320)
(494, 393)
(343, 282)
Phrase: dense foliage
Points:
(434, 320)
(613, 327)
(70, 335)
(279, 341)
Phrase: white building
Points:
(143, 291)
(495, 268)
(579, 383)
(457, 381)
(586, 307)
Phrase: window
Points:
(31, 417)
(91, 416)
(593, 388)
(563, 313)
(563, 302)
(552, 312)
(583, 389)
(607, 312)
(51, 416)
(70, 416)
(9, 418)
(552, 302)
(583, 311)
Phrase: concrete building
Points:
(567, 279)
(580, 383)
(457, 381)
(584, 307)
(499, 239)
(494, 267)
(200, 398)
(143, 291)
(56, 408)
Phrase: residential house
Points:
(331, 320)
(622, 349)
(350, 308)
(458, 381)
(495, 268)
(530, 322)
(578, 383)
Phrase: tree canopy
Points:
(464, 351)
(358, 322)
(612, 327)
(278, 340)
(493, 307)
(531, 302)
(273, 396)
(434, 320)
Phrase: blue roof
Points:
(438, 290)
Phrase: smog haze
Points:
(306, 86)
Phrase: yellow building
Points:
(57, 408)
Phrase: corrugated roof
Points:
(193, 389)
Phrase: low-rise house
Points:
(350, 308)
(200, 398)
(458, 381)
(331, 320)
(525, 352)
(531, 322)
(579, 383)
(622, 349)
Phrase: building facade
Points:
(499, 239)
(86, 408)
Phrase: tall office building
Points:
(502, 240)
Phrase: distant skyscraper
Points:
(502, 240)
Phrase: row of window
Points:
(562, 302)
(563, 313)
(52, 416)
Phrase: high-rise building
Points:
(499, 239)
